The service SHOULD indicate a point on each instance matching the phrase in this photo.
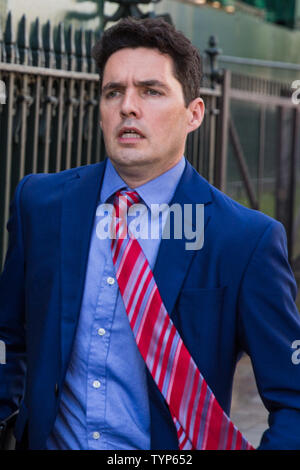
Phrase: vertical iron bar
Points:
(48, 45)
(36, 123)
(8, 156)
(37, 52)
(283, 169)
(23, 45)
(38, 60)
(242, 164)
(2, 47)
(222, 137)
(44, 154)
(70, 48)
(213, 112)
(70, 110)
(9, 41)
(261, 153)
(23, 133)
(58, 136)
(293, 174)
(80, 48)
(90, 123)
(60, 48)
(80, 122)
(98, 144)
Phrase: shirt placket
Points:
(97, 359)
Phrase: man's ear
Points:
(196, 110)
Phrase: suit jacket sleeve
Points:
(269, 323)
(12, 312)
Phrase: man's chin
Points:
(129, 159)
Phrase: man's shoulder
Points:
(37, 185)
(234, 210)
(230, 219)
(225, 206)
(240, 228)
(62, 176)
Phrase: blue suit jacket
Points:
(235, 294)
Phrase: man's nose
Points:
(130, 105)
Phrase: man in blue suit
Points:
(72, 364)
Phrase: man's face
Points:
(143, 114)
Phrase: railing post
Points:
(213, 53)
(295, 152)
(282, 167)
(220, 176)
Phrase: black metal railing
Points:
(50, 121)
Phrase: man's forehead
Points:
(140, 63)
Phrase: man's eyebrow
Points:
(112, 86)
(152, 82)
(141, 83)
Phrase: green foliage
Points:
(277, 11)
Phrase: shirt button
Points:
(96, 435)
(110, 281)
(101, 331)
(96, 384)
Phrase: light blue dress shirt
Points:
(104, 403)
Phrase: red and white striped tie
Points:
(200, 421)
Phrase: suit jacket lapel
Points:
(81, 194)
(173, 258)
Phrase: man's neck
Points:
(135, 177)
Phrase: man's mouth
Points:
(129, 133)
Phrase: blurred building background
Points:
(268, 30)
(248, 32)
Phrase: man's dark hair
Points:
(154, 33)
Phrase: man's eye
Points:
(111, 94)
(152, 92)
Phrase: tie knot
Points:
(124, 200)
(126, 197)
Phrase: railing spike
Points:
(80, 50)
(70, 47)
(96, 38)
(22, 42)
(36, 46)
(48, 45)
(59, 47)
(9, 41)
(88, 43)
(2, 48)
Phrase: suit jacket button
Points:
(56, 389)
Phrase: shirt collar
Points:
(157, 191)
